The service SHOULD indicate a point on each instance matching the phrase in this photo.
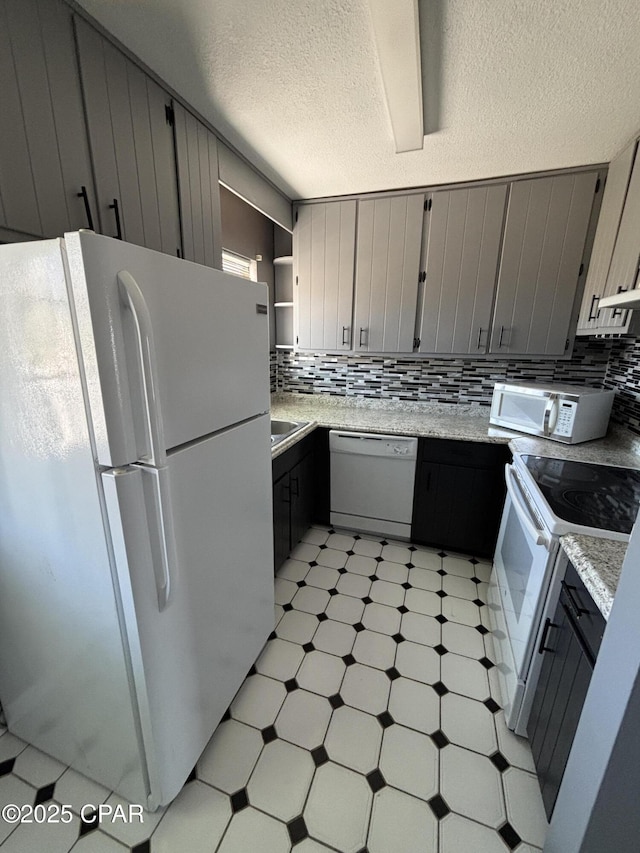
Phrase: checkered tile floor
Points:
(370, 723)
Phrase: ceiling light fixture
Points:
(397, 38)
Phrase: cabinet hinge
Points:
(566, 345)
(416, 343)
(169, 114)
(427, 204)
(598, 185)
(581, 270)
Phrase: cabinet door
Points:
(544, 237)
(44, 154)
(460, 250)
(301, 487)
(625, 263)
(387, 268)
(615, 193)
(324, 251)
(132, 146)
(197, 156)
(281, 520)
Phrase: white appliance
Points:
(136, 566)
(567, 413)
(372, 481)
(546, 498)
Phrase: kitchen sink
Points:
(283, 429)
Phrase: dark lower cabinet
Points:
(459, 495)
(300, 492)
(570, 644)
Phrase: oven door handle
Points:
(521, 509)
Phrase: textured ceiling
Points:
(514, 85)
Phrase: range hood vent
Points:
(625, 299)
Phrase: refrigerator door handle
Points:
(133, 299)
(163, 543)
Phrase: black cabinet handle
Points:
(116, 211)
(618, 311)
(87, 207)
(502, 328)
(548, 625)
(593, 316)
(573, 604)
(580, 639)
(296, 493)
(345, 334)
(480, 331)
(362, 331)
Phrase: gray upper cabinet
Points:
(543, 244)
(460, 252)
(389, 236)
(46, 185)
(131, 137)
(197, 160)
(324, 250)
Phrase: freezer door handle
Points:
(133, 299)
(163, 543)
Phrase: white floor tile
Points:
(460, 610)
(374, 649)
(195, 821)
(361, 565)
(340, 541)
(280, 659)
(252, 830)
(15, 792)
(332, 558)
(31, 837)
(460, 587)
(385, 592)
(414, 705)
(258, 701)
(230, 756)
(322, 577)
(338, 808)
(321, 673)
(333, 636)
(10, 746)
(297, 627)
(460, 566)
(425, 579)
(281, 780)
(421, 663)
(420, 629)
(392, 572)
(367, 547)
(409, 761)
(365, 688)
(465, 676)
(426, 558)
(304, 719)
(379, 617)
(397, 554)
(293, 570)
(284, 590)
(483, 571)
(459, 834)
(98, 842)
(305, 552)
(76, 790)
(345, 608)
(516, 750)
(468, 723)
(356, 585)
(278, 613)
(315, 536)
(471, 786)
(400, 822)
(133, 832)
(525, 811)
(310, 599)
(463, 640)
(311, 846)
(423, 601)
(354, 739)
(36, 768)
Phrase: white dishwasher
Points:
(372, 479)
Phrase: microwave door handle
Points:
(552, 404)
(521, 510)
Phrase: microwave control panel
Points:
(566, 417)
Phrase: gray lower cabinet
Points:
(460, 254)
(389, 235)
(544, 241)
(197, 164)
(46, 185)
(324, 254)
(131, 137)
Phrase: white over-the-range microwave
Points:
(567, 413)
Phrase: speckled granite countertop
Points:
(599, 563)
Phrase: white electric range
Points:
(546, 498)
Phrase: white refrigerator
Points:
(136, 557)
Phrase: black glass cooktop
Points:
(602, 496)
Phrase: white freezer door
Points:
(183, 340)
(190, 658)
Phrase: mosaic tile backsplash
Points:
(595, 362)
